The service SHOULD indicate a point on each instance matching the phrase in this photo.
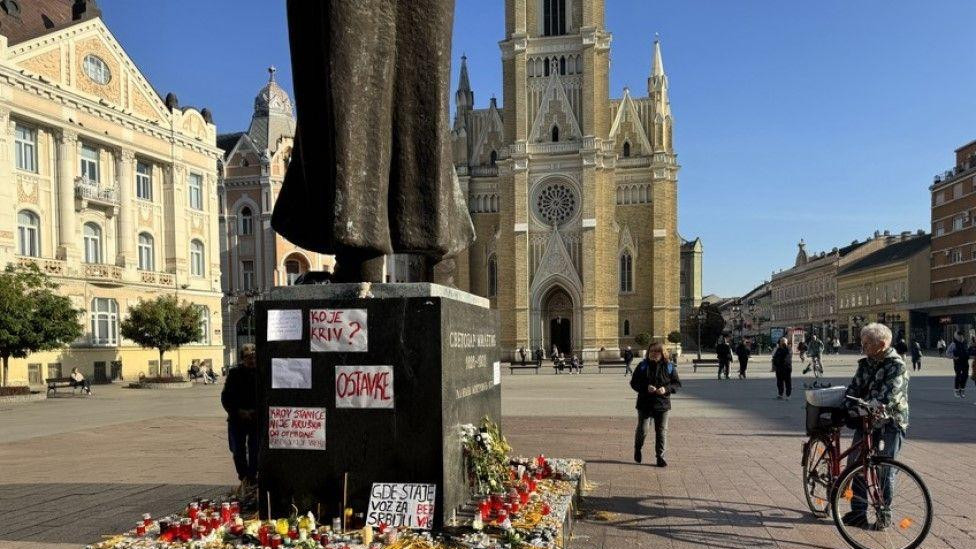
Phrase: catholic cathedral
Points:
(573, 194)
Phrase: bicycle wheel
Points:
(817, 457)
(894, 505)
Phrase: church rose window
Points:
(555, 203)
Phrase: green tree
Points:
(33, 317)
(674, 337)
(163, 324)
(712, 325)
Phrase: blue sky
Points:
(819, 120)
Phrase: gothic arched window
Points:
(246, 221)
(493, 158)
(545, 66)
(562, 66)
(626, 327)
(554, 17)
(626, 149)
(492, 276)
(626, 272)
(555, 134)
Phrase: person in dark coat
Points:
(916, 356)
(628, 358)
(521, 353)
(724, 352)
(655, 379)
(743, 351)
(240, 400)
(783, 366)
(959, 353)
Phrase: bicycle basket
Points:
(830, 397)
(824, 418)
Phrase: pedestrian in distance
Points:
(575, 364)
(941, 347)
(654, 380)
(958, 351)
(836, 345)
(901, 347)
(916, 356)
(628, 358)
(783, 366)
(724, 352)
(802, 349)
(743, 352)
(521, 353)
(538, 356)
(880, 377)
(240, 400)
(816, 351)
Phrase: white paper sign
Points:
(396, 504)
(296, 428)
(364, 387)
(338, 330)
(291, 373)
(497, 373)
(284, 324)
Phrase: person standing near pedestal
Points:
(654, 380)
(240, 400)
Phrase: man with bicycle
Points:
(881, 378)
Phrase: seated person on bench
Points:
(78, 380)
(210, 375)
(194, 371)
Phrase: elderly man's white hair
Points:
(877, 332)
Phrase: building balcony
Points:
(50, 267)
(967, 168)
(100, 273)
(157, 278)
(554, 148)
(483, 171)
(89, 194)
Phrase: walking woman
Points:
(783, 366)
(655, 379)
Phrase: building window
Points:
(554, 17)
(28, 234)
(146, 252)
(93, 243)
(626, 149)
(626, 272)
(493, 158)
(204, 325)
(144, 188)
(939, 229)
(293, 270)
(626, 327)
(562, 66)
(97, 69)
(25, 148)
(555, 134)
(546, 67)
(196, 258)
(492, 276)
(247, 274)
(955, 256)
(89, 163)
(957, 223)
(246, 221)
(245, 330)
(195, 185)
(104, 321)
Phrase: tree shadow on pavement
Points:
(703, 522)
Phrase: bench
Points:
(528, 366)
(703, 362)
(55, 383)
(565, 365)
(603, 365)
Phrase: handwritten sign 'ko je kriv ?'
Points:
(338, 330)
(400, 504)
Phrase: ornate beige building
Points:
(253, 257)
(107, 187)
(573, 194)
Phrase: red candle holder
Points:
(147, 520)
(264, 535)
(275, 541)
(484, 507)
(140, 529)
(225, 512)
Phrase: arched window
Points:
(492, 276)
(493, 158)
(626, 149)
(246, 221)
(104, 321)
(28, 234)
(295, 267)
(545, 66)
(146, 253)
(626, 327)
(554, 17)
(555, 134)
(204, 325)
(626, 272)
(245, 330)
(93, 243)
(196, 258)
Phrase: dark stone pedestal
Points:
(442, 346)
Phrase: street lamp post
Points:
(700, 316)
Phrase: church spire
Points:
(657, 68)
(658, 82)
(464, 96)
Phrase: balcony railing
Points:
(484, 171)
(554, 148)
(89, 190)
(52, 267)
(99, 272)
(153, 277)
(955, 172)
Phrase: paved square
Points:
(72, 468)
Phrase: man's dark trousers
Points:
(243, 439)
(743, 363)
(723, 367)
(660, 430)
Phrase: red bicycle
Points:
(892, 497)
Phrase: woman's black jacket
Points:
(659, 374)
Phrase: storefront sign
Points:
(398, 504)
(338, 330)
(296, 428)
(364, 387)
